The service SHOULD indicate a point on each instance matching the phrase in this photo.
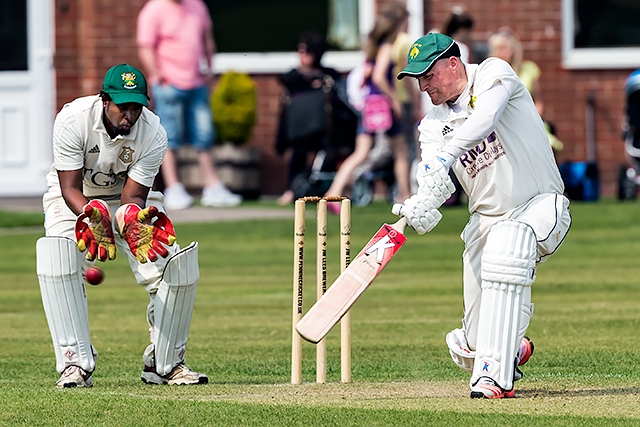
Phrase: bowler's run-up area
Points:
(584, 371)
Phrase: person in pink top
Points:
(176, 47)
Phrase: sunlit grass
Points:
(584, 371)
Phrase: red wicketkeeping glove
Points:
(146, 231)
(94, 231)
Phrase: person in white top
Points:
(107, 150)
(485, 127)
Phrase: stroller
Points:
(377, 167)
(629, 173)
(340, 142)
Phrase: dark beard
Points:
(119, 131)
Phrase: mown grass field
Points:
(585, 370)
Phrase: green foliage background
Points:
(234, 107)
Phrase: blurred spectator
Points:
(459, 27)
(303, 118)
(506, 45)
(176, 46)
(407, 91)
(379, 80)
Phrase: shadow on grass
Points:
(579, 392)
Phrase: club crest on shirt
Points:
(126, 155)
(129, 80)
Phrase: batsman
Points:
(107, 150)
(485, 128)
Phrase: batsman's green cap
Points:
(125, 83)
(424, 53)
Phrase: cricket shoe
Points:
(526, 350)
(488, 389)
(524, 353)
(74, 376)
(179, 375)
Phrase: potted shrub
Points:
(233, 105)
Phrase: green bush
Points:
(234, 107)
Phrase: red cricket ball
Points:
(94, 275)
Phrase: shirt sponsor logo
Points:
(482, 155)
(99, 178)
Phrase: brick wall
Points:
(538, 24)
(92, 35)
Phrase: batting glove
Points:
(420, 213)
(433, 178)
(94, 232)
(146, 231)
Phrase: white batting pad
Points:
(173, 308)
(59, 268)
(460, 352)
(508, 271)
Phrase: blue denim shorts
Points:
(185, 115)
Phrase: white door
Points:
(26, 96)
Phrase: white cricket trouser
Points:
(547, 214)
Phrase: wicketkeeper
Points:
(107, 150)
(485, 127)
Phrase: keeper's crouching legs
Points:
(508, 271)
(169, 316)
(59, 268)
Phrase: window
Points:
(13, 36)
(274, 25)
(601, 33)
(260, 36)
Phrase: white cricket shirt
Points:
(80, 141)
(510, 165)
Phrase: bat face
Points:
(353, 281)
(383, 246)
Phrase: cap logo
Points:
(414, 51)
(129, 80)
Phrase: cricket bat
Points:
(352, 283)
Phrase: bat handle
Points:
(399, 225)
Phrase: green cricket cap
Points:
(424, 53)
(125, 83)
